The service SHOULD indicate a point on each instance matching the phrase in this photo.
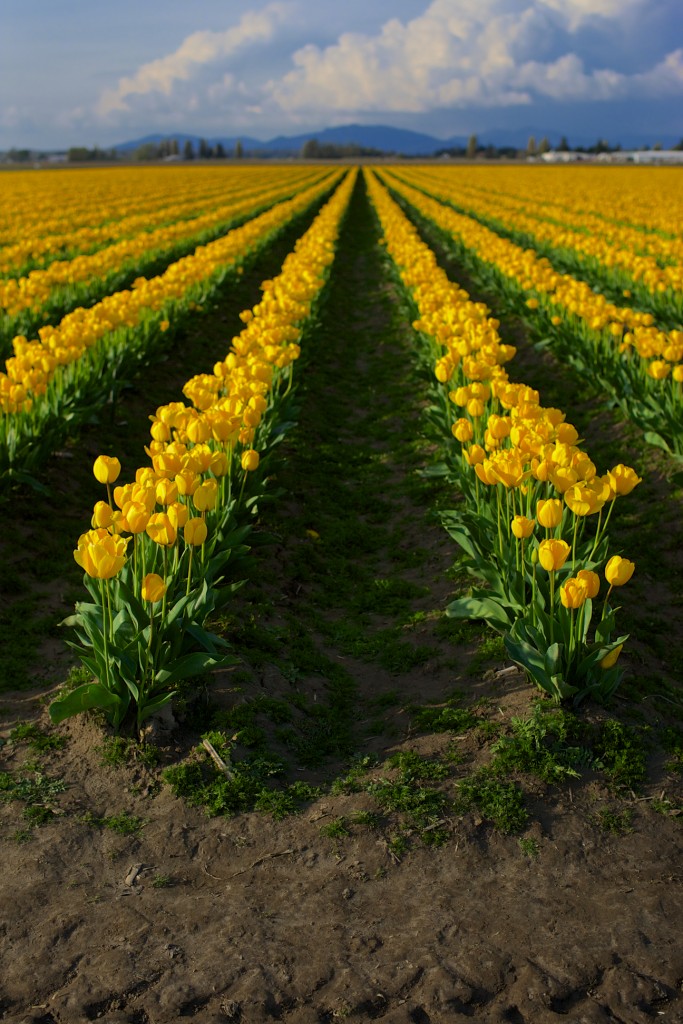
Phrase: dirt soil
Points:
(248, 919)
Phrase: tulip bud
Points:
(462, 430)
(102, 515)
(153, 588)
(572, 594)
(549, 513)
(590, 582)
(178, 514)
(250, 460)
(106, 469)
(195, 531)
(618, 571)
(611, 659)
(552, 554)
(522, 527)
(204, 498)
(161, 530)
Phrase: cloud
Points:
(159, 77)
(468, 53)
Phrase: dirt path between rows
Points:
(130, 906)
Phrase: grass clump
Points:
(544, 745)
(501, 803)
(37, 740)
(623, 755)
(36, 790)
(124, 824)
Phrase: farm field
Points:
(379, 713)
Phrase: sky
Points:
(80, 72)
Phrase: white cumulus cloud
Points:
(195, 52)
(461, 53)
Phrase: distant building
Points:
(621, 156)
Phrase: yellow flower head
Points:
(153, 588)
(161, 529)
(618, 571)
(250, 460)
(549, 513)
(590, 581)
(195, 531)
(573, 594)
(101, 554)
(522, 527)
(552, 554)
(106, 469)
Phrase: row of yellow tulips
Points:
(582, 213)
(648, 200)
(41, 288)
(56, 202)
(640, 363)
(80, 360)
(531, 491)
(105, 224)
(160, 545)
(618, 255)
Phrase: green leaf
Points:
(480, 608)
(553, 659)
(84, 698)
(656, 440)
(148, 708)
(188, 665)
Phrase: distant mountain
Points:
(394, 140)
(381, 137)
(182, 138)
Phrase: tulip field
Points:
(341, 567)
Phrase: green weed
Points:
(27, 732)
(501, 803)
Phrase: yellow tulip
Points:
(101, 554)
(590, 581)
(573, 594)
(161, 530)
(204, 498)
(462, 430)
(106, 469)
(611, 659)
(522, 527)
(187, 481)
(474, 455)
(102, 515)
(136, 515)
(166, 491)
(549, 513)
(618, 571)
(178, 514)
(623, 479)
(153, 588)
(552, 554)
(250, 460)
(195, 531)
(583, 501)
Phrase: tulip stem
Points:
(604, 607)
(163, 600)
(576, 530)
(552, 607)
(189, 572)
(105, 635)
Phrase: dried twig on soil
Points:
(217, 759)
(260, 860)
